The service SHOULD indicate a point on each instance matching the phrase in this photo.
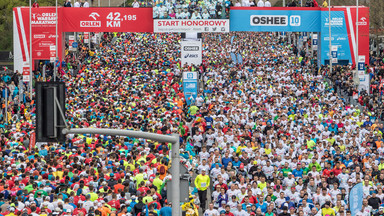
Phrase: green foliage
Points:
(6, 19)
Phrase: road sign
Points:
(315, 42)
(361, 65)
(26, 72)
(75, 45)
(52, 53)
(334, 55)
(86, 37)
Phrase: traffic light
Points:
(50, 113)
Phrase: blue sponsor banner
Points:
(272, 20)
(339, 36)
(190, 86)
(356, 198)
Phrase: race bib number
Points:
(203, 184)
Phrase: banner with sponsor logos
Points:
(343, 26)
(275, 19)
(343, 33)
(43, 22)
(191, 52)
(106, 19)
(186, 25)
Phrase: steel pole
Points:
(174, 139)
(30, 48)
(118, 132)
(176, 176)
(357, 37)
(89, 40)
(6, 105)
(330, 38)
(56, 50)
(21, 91)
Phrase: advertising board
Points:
(191, 52)
(106, 19)
(183, 25)
(274, 19)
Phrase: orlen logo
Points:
(95, 23)
(191, 56)
(90, 23)
(191, 48)
(363, 21)
(39, 36)
(94, 15)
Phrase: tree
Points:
(6, 19)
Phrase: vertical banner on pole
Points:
(86, 37)
(305, 36)
(190, 86)
(32, 141)
(315, 42)
(26, 72)
(191, 52)
(364, 83)
(334, 55)
(70, 41)
(356, 198)
(52, 53)
(361, 65)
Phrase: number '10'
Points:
(295, 20)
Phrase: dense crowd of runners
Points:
(270, 136)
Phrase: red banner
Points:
(32, 141)
(106, 19)
(363, 23)
(43, 22)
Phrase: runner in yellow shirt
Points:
(202, 183)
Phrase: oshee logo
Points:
(191, 48)
(90, 23)
(191, 56)
(269, 20)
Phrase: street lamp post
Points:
(56, 50)
(357, 37)
(330, 37)
(30, 49)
